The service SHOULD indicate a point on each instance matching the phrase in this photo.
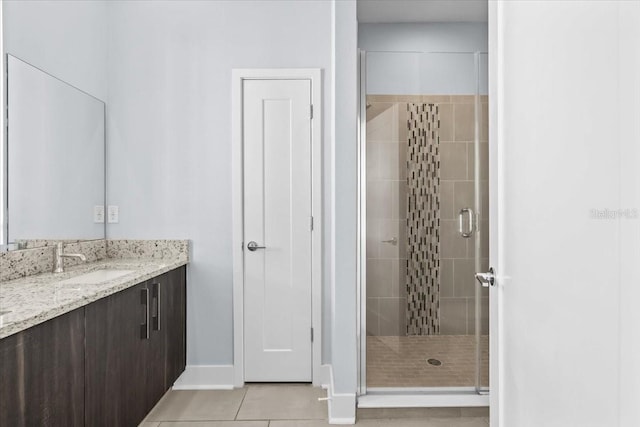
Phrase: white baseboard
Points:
(342, 406)
(206, 377)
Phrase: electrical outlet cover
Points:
(113, 215)
(98, 214)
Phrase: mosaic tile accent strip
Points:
(423, 220)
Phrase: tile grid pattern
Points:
(457, 191)
(402, 361)
(289, 405)
(386, 126)
(385, 121)
(423, 220)
(386, 246)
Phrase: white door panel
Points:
(558, 265)
(629, 80)
(277, 206)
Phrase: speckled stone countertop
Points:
(28, 301)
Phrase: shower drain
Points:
(434, 362)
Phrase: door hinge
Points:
(311, 111)
(311, 334)
(311, 223)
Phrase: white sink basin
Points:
(4, 317)
(95, 277)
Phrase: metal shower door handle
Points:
(469, 232)
(487, 279)
(253, 246)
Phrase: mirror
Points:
(55, 160)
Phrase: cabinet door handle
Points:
(155, 293)
(144, 300)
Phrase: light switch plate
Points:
(98, 214)
(113, 216)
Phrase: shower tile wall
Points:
(386, 212)
(457, 289)
(386, 218)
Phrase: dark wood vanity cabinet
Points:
(116, 360)
(106, 364)
(42, 374)
(135, 349)
(174, 306)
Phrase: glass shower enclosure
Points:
(423, 221)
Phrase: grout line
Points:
(241, 402)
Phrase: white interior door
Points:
(277, 218)
(558, 210)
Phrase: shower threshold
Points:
(428, 397)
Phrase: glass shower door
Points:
(425, 319)
(481, 233)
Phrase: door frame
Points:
(237, 189)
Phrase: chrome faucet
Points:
(59, 255)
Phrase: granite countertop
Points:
(31, 300)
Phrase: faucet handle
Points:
(58, 266)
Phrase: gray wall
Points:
(65, 38)
(164, 69)
(344, 359)
(169, 131)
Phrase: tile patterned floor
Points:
(394, 361)
(290, 405)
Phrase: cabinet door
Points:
(174, 309)
(168, 326)
(116, 359)
(42, 374)
(155, 357)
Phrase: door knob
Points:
(253, 246)
(487, 279)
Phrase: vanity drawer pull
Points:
(144, 327)
(155, 318)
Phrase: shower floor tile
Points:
(394, 361)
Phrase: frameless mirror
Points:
(55, 160)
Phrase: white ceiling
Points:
(381, 11)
